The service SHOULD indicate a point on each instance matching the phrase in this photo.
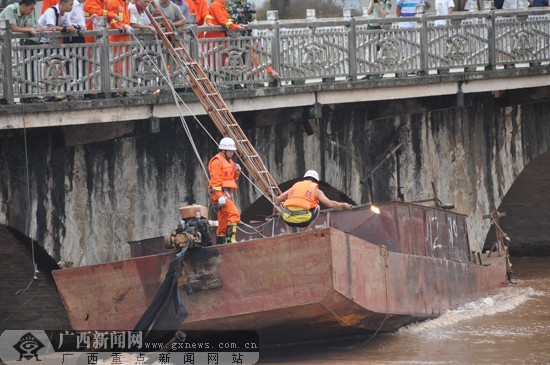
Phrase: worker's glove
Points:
(128, 29)
(222, 200)
(238, 167)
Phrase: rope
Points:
(28, 206)
(258, 230)
(178, 100)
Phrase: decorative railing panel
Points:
(463, 42)
(54, 69)
(314, 52)
(232, 61)
(522, 38)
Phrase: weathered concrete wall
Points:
(88, 200)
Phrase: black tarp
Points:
(162, 318)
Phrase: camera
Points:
(79, 30)
(248, 10)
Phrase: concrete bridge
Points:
(83, 177)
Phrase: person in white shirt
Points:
(138, 18)
(443, 7)
(77, 20)
(56, 19)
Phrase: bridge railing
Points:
(310, 50)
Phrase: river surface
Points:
(510, 327)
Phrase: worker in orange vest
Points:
(220, 16)
(301, 202)
(120, 9)
(223, 176)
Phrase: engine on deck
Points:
(193, 230)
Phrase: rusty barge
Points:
(356, 272)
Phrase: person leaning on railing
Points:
(77, 20)
(219, 16)
(21, 18)
(378, 9)
(242, 12)
(200, 9)
(120, 52)
(56, 19)
(94, 9)
(138, 17)
(184, 7)
(171, 12)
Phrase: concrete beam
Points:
(288, 96)
(386, 93)
(477, 86)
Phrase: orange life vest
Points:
(303, 194)
(229, 172)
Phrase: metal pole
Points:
(6, 61)
(352, 50)
(105, 65)
(275, 41)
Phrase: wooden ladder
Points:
(214, 105)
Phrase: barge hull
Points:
(315, 284)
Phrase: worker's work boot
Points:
(231, 233)
(220, 240)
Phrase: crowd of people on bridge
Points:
(71, 17)
(125, 15)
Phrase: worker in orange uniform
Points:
(120, 8)
(200, 9)
(301, 202)
(220, 16)
(46, 4)
(223, 176)
(94, 9)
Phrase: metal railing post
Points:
(352, 50)
(5, 61)
(273, 16)
(104, 59)
(491, 36)
(423, 43)
(194, 42)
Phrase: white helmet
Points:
(227, 144)
(312, 173)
